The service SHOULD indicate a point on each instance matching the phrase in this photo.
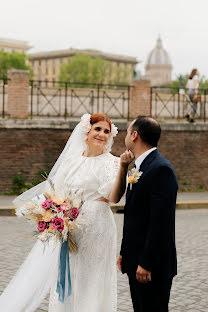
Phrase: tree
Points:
(13, 60)
(122, 75)
(181, 81)
(82, 68)
(203, 82)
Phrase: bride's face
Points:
(99, 135)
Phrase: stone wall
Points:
(30, 146)
(186, 148)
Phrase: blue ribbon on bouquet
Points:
(63, 271)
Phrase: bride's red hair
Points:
(100, 117)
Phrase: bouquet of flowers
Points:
(54, 216)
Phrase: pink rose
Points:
(47, 204)
(74, 213)
(58, 209)
(58, 224)
(62, 208)
(42, 226)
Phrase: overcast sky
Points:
(125, 27)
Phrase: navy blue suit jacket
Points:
(149, 220)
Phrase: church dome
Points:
(158, 56)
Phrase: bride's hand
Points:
(126, 158)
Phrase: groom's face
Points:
(129, 137)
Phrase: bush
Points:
(20, 185)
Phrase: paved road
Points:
(190, 287)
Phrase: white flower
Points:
(44, 236)
(134, 176)
(64, 233)
(85, 121)
(114, 130)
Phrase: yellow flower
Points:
(57, 200)
(67, 223)
(131, 179)
(47, 216)
(50, 229)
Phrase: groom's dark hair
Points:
(148, 129)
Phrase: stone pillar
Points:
(140, 99)
(18, 93)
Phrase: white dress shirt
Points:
(142, 157)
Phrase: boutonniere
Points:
(133, 176)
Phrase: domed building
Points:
(158, 66)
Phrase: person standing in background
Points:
(192, 85)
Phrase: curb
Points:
(10, 210)
(7, 211)
(179, 205)
(192, 204)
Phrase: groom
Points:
(148, 252)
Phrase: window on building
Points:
(61, 60)
(39, 74)
(53, 82)
(46, 83)
(46, 66)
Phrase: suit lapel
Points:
(143, 168)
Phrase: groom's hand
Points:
(126, 158)
(119, 263)
(142, 275)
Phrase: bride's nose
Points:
(101, 134)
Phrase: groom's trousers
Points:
(150, 297)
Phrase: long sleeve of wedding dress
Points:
(93, 267)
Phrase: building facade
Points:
(158, 66)
(11, 45)
(46, 65)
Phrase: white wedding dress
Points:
(93, 267)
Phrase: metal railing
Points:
(67, 99)
(175, 103)
(3, 97)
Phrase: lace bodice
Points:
(93, 176)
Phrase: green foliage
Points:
(201, 187)
(181, 81)
(19, 183)
(85, 69)
(185, 182)
(203, 82)
(14, 60)
(122, 75)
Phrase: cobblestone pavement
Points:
(190, 287)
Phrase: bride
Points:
(87, 165)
